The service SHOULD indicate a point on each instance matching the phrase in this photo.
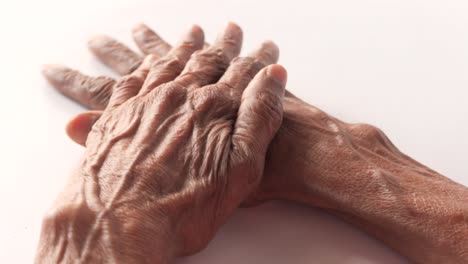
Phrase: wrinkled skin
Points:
(94, 93)
(303, 125)
(177, 145)
(351, 170)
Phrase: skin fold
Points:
(350, 170)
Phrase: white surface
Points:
(398, 64)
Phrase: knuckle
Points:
(204, 99)
(128, 82)
(163, 71)
(224, 86)
(315, 112)
(170, 63)
(188, 78)
(213, 100)
(218, 55)
(229, 90)
(367, 132)
(171, 93)
(174, 64)
(212, 55)
(247, 66)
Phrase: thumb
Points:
(260, 114)
(79, 127)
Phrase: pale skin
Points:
(350, 170)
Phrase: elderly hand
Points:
(302, 155)
(172, 155)
(352, 170)
(94, 93)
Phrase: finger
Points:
(114, 54)
(149, 42)
(206, 66)
(79, 127)
(91, 92)
(128, 86)
(260, 114)
(267, 53)
(242, 70)
(169, 67)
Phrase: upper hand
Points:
(183, 144)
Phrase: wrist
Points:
(142, 236)
(296, 155)
(78, 229)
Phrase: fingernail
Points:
(231, 26)
(278, 73)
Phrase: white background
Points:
(399, 64)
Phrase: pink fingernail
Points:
(278, 73)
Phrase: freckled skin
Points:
(350, 170)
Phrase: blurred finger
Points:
(91, 92)
(267, 53)
(169, 67)
(243, 69)
(79, 127)
(207, 66)
(114, 54)
(149, 42)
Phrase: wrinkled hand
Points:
(304, 152)
(351, 169)
(174, 154)
(94, 93)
